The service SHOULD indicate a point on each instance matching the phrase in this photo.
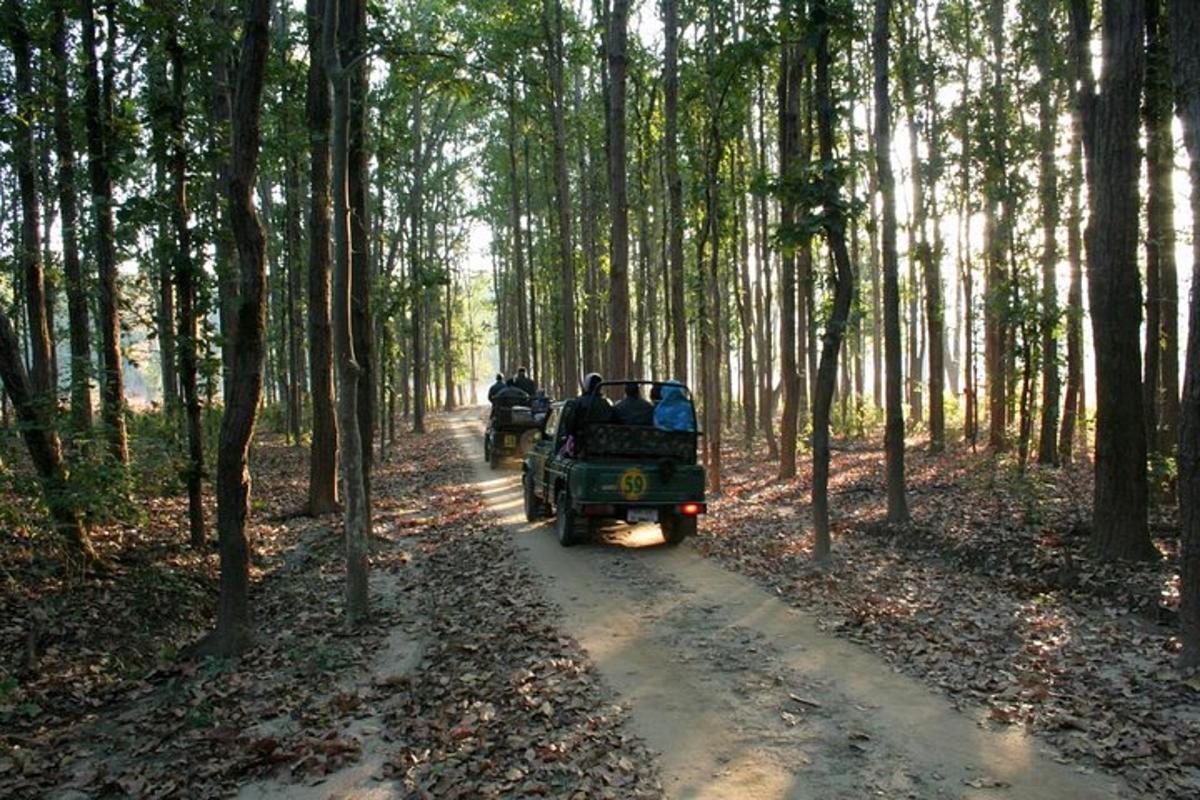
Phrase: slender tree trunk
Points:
(352, 39)
(996, 289)
(554, 58)
(224, 247)
(1185, 32)
(518, 250)
(763, 290)
(1048, 196)
(791, 71)
(918, 229)
(416, 268)
(339, 45)
(670, 12)
(618, 295)
(322, 474)
(233, 631)
(894, 432)
(966, 268)
(77, 303)
(1110, 137)
(185, 288)
(97, 107)
(1161, 383)
(1074, 389)
(25, 158)
(834, 225)
(745, 302)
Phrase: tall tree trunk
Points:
(996, 289)
(340, 46)
(77, 303)
(233, 631)
(97, 108)
(1048, 197)
(931, 253)
(834, 225)
(352, 39)
(918, 238)
(25, 156)
(322, 473)
(224, 248)
(562, 187)
(763, 289)
(416, 269)
(1110, 138)
(1161, 384)
(518, 250)
(745, 306)
(1074, 317)
(185, 288)
(966, 268)
(618, 294)
(679, 362)
(894, 430)
(790, 84)
(1185, 32)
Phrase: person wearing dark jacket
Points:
(524, 382)
(590, 406)
(496, 387)
(633, 409)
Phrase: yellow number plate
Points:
(633, 483)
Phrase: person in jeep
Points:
(508, 397)
(633, 408)
(590, 406)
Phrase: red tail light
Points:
(691, 509)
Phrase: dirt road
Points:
(741, 694)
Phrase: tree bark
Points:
(894, 430)
(618, 293)
(1161, 385)
(185, 289)
(518, 251)
(356, 521)
(353, 42)
(416, 269)
(790, 84)
(322, 475)
(562, 187)
(1185, 32)
(1048, 197)
(1110, 138)
(996, 289)
(670, 12)
(42, 379)
(234, 628)
(77, 302)
(834, 224)
(1074, 319)
(97, 108)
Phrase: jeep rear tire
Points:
(535, 508)
(566, 520)
(677, 527)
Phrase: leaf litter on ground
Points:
(501, 702)
(988, 595)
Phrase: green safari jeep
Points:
(583, 470)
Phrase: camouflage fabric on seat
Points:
(639, 441)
